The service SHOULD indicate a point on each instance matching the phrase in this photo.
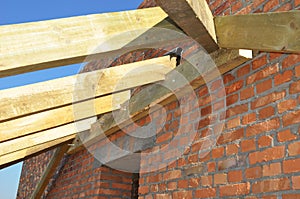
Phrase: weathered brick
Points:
(266, 112)
(234, 87)
(266, 72)
(254, 172)
(272, 169)
(271, 185)
(296, 182)
(286, 105)
(290, 196)
(282, 78)
(232, 149)
(259, 62)
(233, 123)
(172, 175)
(236, 110)
(217, 152)
(291, 118)
(268, 154)
(290, 60)
(206, 181)
(291, 166)
(264, 86)
(220, 178)
(248, 145)
(235, 176)
(247, 93)
(205, 193)
(263, 127)
(285, 135)
(295, 87)
(265, 141)
(294, 149)
(245, 70)
(183, 194)
(231, 136)
(268, 99)
(249, 118)
(297, 71)
(235, 189)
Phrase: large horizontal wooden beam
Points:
(273, 32)
(18, 156)
(141, 103)
(46, 44)
(60, 116)
(43, 137)
(195, 18)
(29, 99)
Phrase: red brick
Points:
(272, 169)
(231, 136)
(235, 189)
(235, 176)
(294, 149)
(268, 154)
(297, 3)
(220, 178)
(291, 196)
(264, 86)
(183, 194)
(193, 182)
(266, 112)
(291, 166)
(163, 196)
(270, 5)
(296, 182)
(206, 111)
(218, 152)
(243, 71)
(248, 145)
(268, 99)
(143, 190)
(286, 135)
(232, 149)
(206, 181)
(231, 99)
(172, 175)
(257, 63)
(291, 118)
(227, 163)
(236, 7)
(172, 185)
(247, 93)
(233, 123)
(297, 69)
(266, 72)
(249, 118)
(275, 55)
(282, 78)
(295, 87)
(228, 78)
(265, 141)
(164, 137)
(237, 110)
(205, 193)
(234, 87)
(286, 105)
(254, 172)
(290, 60)
(272, 185)
(211, 166)
(262, 127)
(270, 197)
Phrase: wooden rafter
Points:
(273, 32)
(195, 18)
(29, 99)
(60, 116)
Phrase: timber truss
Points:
(39, 117)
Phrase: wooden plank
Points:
(273, 32)
(18, 156)
(140, 103)
(60, 116)
(47, 44)
(195, 18)
(47, 136)
(24, 100)
(50, 171)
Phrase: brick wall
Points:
(257, 155)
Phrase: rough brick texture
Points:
(256, 155)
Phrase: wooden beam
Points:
(140, 103)
(272, 32)
(50, 171)
(60, 116)
(47, 44)
(29, 99)
(195, 18)
(43, 137)
(18, 156)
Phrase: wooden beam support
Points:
(195, 18)
(47, 44)
(43, 137)
(29, 99)
(60, 116)
(272, 32)
(50, 171)
(140, 103)
(18, 156)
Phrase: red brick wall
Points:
(256, 156)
